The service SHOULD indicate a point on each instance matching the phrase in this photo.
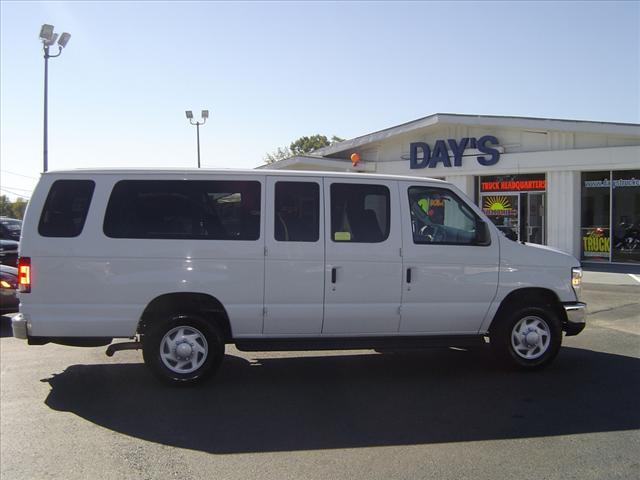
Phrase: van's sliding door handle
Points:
(408, 275)
(334, 274)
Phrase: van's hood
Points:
(516, 253)
(548, 248)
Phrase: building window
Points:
(596, 210)
(610, 223)
(625, 211)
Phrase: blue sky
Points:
(270, 72)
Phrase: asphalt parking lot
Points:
(443, 413)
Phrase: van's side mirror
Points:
(483, 236)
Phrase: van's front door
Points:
(363, 264)
(450, 276)
(294, 261)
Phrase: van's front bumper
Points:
(576, 318)
(19, 326)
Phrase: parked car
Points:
(10, 228)
(186, 261)
(8, 287)
(9, 253)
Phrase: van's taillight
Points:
(24, 274)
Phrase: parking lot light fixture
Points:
(205, 115)
(48, 38)
(46, 32)
(64, 39)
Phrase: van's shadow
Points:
(284, 404)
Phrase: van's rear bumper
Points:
(576, 318)
(19, 326)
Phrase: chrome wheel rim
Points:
(531, 337)
(183, 349)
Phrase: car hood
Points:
(9, 244)
(7, 270)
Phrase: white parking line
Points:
(635, 277)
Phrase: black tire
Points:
(512, 348)
(203, 338)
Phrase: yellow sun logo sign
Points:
(497, 203)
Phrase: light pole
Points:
(48, 38)
(205, 115)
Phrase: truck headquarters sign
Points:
(440, 153)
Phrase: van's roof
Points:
(206, 171)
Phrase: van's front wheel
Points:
(183, 351)
(528, 338)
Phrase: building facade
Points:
(572, 185)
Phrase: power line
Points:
(18, 174)
(12, 193)
(23, 189)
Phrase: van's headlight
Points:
(576, 280)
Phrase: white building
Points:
(573, 185)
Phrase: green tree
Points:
(280, 154)
(12, 209)
(301, 146)
(19, 206)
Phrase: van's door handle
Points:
(334, 274)
(408, 275)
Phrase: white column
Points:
(563, 211)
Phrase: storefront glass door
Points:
(516, 205)
(520, 215)
(535, 217)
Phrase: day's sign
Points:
(421, 155)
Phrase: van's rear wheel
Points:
(183, 351)
(528, 338)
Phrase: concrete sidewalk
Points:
(608, 278)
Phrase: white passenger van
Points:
(185, 261)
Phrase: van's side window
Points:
(438, 216)
(184, 209)
(66, 207)
(297, 212)
(359, 213)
